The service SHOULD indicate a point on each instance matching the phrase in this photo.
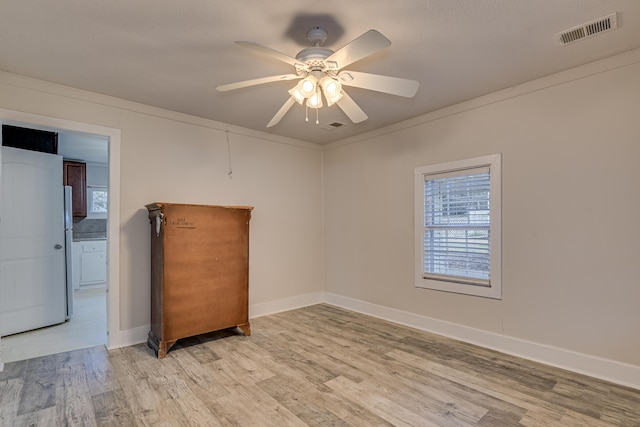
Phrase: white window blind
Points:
(457, 226)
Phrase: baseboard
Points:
(605, 369)
(285, 304)
(128, 337)
(139, 334)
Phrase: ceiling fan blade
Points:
(281, 112)
(351, 109)
(386, 84)
(262, 80)
(365, 45)
(272, 53)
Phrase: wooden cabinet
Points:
(75, 175)
(199, 271)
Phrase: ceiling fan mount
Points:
(317, 36)
(313, 58)
(321, 72)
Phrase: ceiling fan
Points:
(321, 71)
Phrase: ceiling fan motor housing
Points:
(314, 57)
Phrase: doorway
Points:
(105, 299)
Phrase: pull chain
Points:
(319, 103)
(306, 115)
(230, 173)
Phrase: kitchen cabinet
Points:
(89, 266)
(75, 175)
(199, 271)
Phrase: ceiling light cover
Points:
(332, 89)
(307, 86)
(295, 93)
(315, 100)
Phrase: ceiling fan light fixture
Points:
(315, 100)
(332, 89)
(295, 93)
(330, 86)
(307, 86)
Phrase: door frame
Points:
(115, 338)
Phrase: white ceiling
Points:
(172, 54)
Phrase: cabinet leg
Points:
(159, 346)
(153, 342)
(246, 329)
(162, 350)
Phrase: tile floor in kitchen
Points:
(86, 328)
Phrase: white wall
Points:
(171, 157)
(97, 175)
(571, 147)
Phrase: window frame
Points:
(451, 283)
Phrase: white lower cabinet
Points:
(89, 263)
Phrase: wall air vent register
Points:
(589, 29)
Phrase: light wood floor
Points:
(319, 366)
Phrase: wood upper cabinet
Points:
(199, 271)
(75, 175)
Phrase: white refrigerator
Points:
(68, 242)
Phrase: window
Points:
(98, 198)
(458, 227)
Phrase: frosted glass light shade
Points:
(332, 89)
(315, 100)
(307, 86)
(296, 95)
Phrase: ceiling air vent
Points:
(332, 126)
(590, 29)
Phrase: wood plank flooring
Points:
(316, 366)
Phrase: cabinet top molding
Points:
(160, 205)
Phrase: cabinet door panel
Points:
(93, 267)
(75, 175)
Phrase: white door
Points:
(32, 255)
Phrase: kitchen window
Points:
(458, 227)
(98, 199)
